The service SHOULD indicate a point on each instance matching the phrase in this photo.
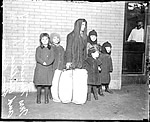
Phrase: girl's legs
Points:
(50, 94)
(46, 88)
(100, 91)
(89, 93)
(95, 92)
(39, 94)
(107, 89)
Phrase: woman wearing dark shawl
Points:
(76, 47)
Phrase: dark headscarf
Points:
(78, 43)
(106, 44)
(93, 32)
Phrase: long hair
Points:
(49, 43)
(79, 42)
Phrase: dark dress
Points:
(106, 68)
(43, 75)
(91, 65)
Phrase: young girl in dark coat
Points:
(92, 65)
(43, 71)
(106, 66)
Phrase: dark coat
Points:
(69, 52)
(106, 68)
(43, 75)
(59, 57)
(91, 65)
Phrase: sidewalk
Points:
(129, 103)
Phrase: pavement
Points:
(129, 103)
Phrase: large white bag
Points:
(65, 86)
(79, 86)
(55, 84)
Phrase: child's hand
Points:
(44, 63)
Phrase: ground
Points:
(129, 103)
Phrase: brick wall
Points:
(25, 20)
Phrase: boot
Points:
(38, 95)
(107, 89)
(100, 91)
(50, 94)
(95, 92)
(46, 95)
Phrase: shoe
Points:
(108, 90)
(100, 92)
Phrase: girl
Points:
(57, 65)
(43, 71)
(106, 66)
(92, 39)
(92, 65)
(76, 51)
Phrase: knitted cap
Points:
(93, 32)
(53, 35)
(106, 44)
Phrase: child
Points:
(106, 66)
(92, 65)
(43, 70)
(92, 39)
(58, 64)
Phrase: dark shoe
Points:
(109, 91)
(100, 91)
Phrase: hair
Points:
(78, 40)
(92, 50)
(49, 43)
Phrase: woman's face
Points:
(93, 37)
(44, 40)
(56, 40)
(83, 26)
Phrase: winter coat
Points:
(69, 53)
(106, 68)
(59, 57)
(91, 65)
(43, 75)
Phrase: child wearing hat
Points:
(92, 39)
(107, 66)
(92, 65)
(58, 65)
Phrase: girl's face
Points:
(83, 26)
(95, 54)
(44, 40)
(93, 37)
(108, 49)
(56, 40)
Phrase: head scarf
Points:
(106, 44)
(53, 35)
(93, 32)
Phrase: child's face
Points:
(44, 40)
(95, 54)
(93, 37)
(108, 49)
(83, 26)
(56, 40)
